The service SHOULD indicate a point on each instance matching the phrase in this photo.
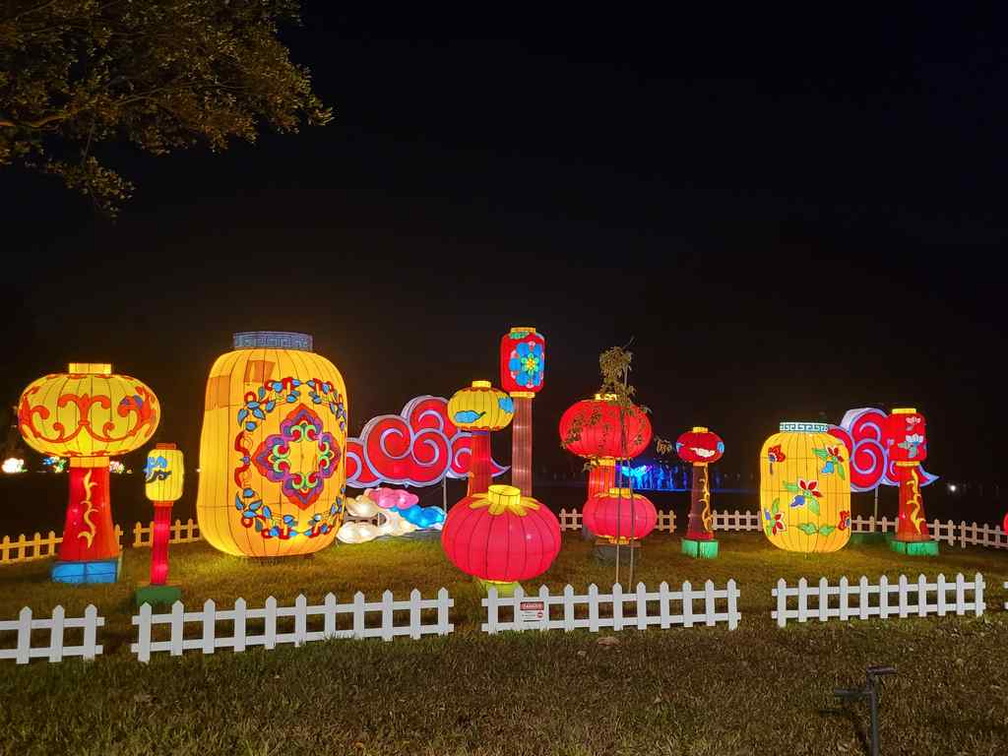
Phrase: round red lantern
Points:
(591, 429)
(700, 446)
(1004, 523)
(620, 515)
(501, 537)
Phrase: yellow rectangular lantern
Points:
(273, 448)
(164, 473)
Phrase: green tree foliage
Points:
(161, 74)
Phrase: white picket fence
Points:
(271, 615)
(187, 532)
(571, 520)
(534, 611)
(57, 624)
(854, 601)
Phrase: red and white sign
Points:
(531, 613)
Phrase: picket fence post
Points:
(240, 618)
(733, 597)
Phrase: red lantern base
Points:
(504, 590)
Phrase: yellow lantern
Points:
(164, 473)
(273, 448)
(805, 489)
(480, 409)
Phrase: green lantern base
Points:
(700, 549)
(914, 548)
(605, 552)
(504, 590)
(157, 595)
(866, 539)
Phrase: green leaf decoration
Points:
(840, 472)
(808, 528)
(792, 487)
(821, 453)
(826, 529)
(813, 505)
(776, 506)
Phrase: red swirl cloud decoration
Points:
(870, 466)
(418, 447)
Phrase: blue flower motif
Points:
(527, 364)
(506, 403)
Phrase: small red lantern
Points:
(501, 537)
(620, 515)
(700, 447)
(591, 429)
(905, 438)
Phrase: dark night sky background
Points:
(790, 216)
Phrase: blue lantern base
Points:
(97, 571)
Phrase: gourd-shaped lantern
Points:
(700, 447)
(619, 515)
(522, 369)
(273, 448)
(591, 428)
(501, 537)
(805, 502)
(480, 409)
(905, 437)
(163, 477)
(88, 414)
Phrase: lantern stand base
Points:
(914, 548)
(867, 539)
(96, 571)
(700, 549)
(504, 590)
(605, 552)
(156, 595)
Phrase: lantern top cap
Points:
(165, 446)
(905, 411)
(700, 429)
(802, 427)
(605, 397)
(90, 368)
(481, 384)
(622, 493)
(273, 340)
(522, 329)
(501, 492)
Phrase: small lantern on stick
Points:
(480, 409)
(163, 476)
(700, 447)
(522, 369)
(906, 441)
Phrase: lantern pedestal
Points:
(605, 552)
(707, 549)
(157, 595)
(93, 571)
(504, 590)
(914, 548)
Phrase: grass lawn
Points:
(756, 690)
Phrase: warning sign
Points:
(531, 613)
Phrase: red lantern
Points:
(620, 515)
(591, 429)
(1004, 523)
(905, 437)
(501, 536)
(700, 447)
(522, 370)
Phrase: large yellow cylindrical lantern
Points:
(273, 448)
(805, 489)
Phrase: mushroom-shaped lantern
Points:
(480, 409)
(522, 370)
(700, 447)
(905, 437)
(88, 414)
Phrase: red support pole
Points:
(601, 476)
(88, 532)
(160, 535)
(521, 442)
(479, 471)
(911, 524)
(700, 527)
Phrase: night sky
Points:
(788, 216)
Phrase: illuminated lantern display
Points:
(88, 414)
(480, 409)
(273, 448)
(906, 443)
(805, 501)
(591, 429)
(619, 515)
(522, 369)
(1004, 523)
(700, 447)
(501, 537)
(163, 477)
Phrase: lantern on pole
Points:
(480, 409)
(700, 447)
(163, 478)
(522, 370)
(591, 428)
(88, 414)
(501, 537)
(905, 437)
